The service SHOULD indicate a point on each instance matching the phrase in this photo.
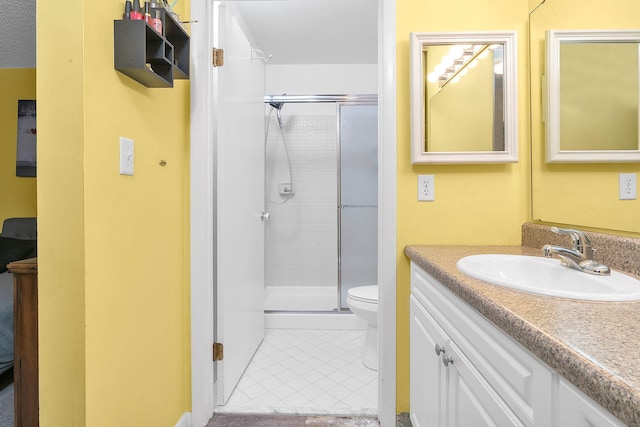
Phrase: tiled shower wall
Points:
(301, 235)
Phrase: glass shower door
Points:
(358, 197)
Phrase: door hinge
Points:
(218, 351)
(218, 57)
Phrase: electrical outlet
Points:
(426, 188)
(628, 186)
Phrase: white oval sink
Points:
(546, 276)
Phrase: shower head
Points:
(277, 105)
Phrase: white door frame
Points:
(203, 212)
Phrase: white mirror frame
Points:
(552, 94)
(418, 153)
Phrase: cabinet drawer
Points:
(522, 380)
(471, 400)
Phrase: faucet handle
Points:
(580, 241)
(580, 257)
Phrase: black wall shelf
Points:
(152, 59)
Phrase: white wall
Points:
(301, 238)
(322, 79)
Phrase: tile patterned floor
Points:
(298, 371)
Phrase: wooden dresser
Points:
(25, 338)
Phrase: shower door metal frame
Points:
(366, 98)
(338, 100)
(340, 206)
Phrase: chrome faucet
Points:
(580, 256)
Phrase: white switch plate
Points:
(126, 156)
(426, 189)
(628, 186)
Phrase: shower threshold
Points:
(330, 320)
(301, 298)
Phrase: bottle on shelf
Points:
(155, 19)
(147, 12)
(127, 10)
(136, 12)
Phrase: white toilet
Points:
(363, 302)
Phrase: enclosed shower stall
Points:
(321, 189)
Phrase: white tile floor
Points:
(298, 371)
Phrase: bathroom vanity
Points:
(486, 355)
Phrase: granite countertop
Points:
(594, 345)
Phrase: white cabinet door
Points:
(455, 395)
(470, 399)
(577, 409)
(428, 390)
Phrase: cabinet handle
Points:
(446, 360)
(439, 350)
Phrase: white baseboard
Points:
(185, 420)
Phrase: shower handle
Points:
(264, 216)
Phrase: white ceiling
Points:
(313, 31)
(18, 34)
(292, 31)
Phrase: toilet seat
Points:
(368, 294)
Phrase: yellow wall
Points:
(474, 204)
(582, 195)
(18, 194)
(113, 255)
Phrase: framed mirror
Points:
(464, 97)
(592, 96)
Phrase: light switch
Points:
(126, 156)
